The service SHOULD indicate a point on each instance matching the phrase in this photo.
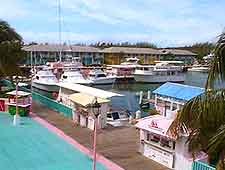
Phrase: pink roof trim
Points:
(157, 124)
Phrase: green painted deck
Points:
(30, 146)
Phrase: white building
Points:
(80, 97)
(156, 142)
(83, 113)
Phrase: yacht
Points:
(45, 80)
(74, 76)
(199, 68)
(118, 118)
(125, 70)
(99, 77)
(159, 73)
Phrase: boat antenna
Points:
(60, 30)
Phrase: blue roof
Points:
(179, 91)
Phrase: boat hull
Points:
(198, 70)
(46, 87)
(158, 79)
(103, 81)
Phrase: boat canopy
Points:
(88, 90)
(170, 62)
(85, 99)
(179, 91)
(20, 93)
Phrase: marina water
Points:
(130, 90)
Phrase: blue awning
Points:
(179, 91)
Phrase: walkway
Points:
(117, 144)
(30, 146)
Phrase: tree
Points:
(204, 115)
(11, 53)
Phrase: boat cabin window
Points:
(115, 115)
(109, 115)
(37, 77)
(65, 77)
(146, 69)
(91, 75)
(101, 75)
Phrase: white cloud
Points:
(165, 22)
(11, 9)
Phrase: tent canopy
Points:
(85, 99)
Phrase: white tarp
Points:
(88, 90)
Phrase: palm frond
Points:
(217, 69)
(201, 116)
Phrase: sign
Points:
(159, 155)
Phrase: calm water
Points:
(130, 90)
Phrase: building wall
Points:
(185, 58)
(118, 58)
(87, 58)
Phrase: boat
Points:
(99, 77)
(125, 70)
(159, 73)
(45, 80)
(74, 76)
(118, 118)
(199, 68)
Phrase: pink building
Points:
(155, 141)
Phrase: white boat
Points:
(74, 76)
(45, 80)
(159, 73)
(199, 68)
(99, 77)
(118, 118)
(125, 69)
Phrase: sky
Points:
(162, 22)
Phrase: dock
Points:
(119, 145)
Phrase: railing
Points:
(66, 111)
(198, 165)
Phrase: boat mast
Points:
(60, 30)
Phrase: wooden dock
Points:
(117, 144)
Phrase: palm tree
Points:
(204, 115)
(10, 50)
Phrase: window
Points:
(64, 77)
(148, 137)
(101, 75)
(174, 106)
(145, 69)
(165, 143)
(109, 115)
(37, 77)
(155, 138)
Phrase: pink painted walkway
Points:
(109, 164)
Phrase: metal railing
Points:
(198, 165)
(65, 110)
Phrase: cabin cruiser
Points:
(125, 69)
(199, 68)
(159, 73)
(118, 118)
(99, 77)
(74, 76)
(45, 80)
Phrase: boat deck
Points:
(119, 145)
